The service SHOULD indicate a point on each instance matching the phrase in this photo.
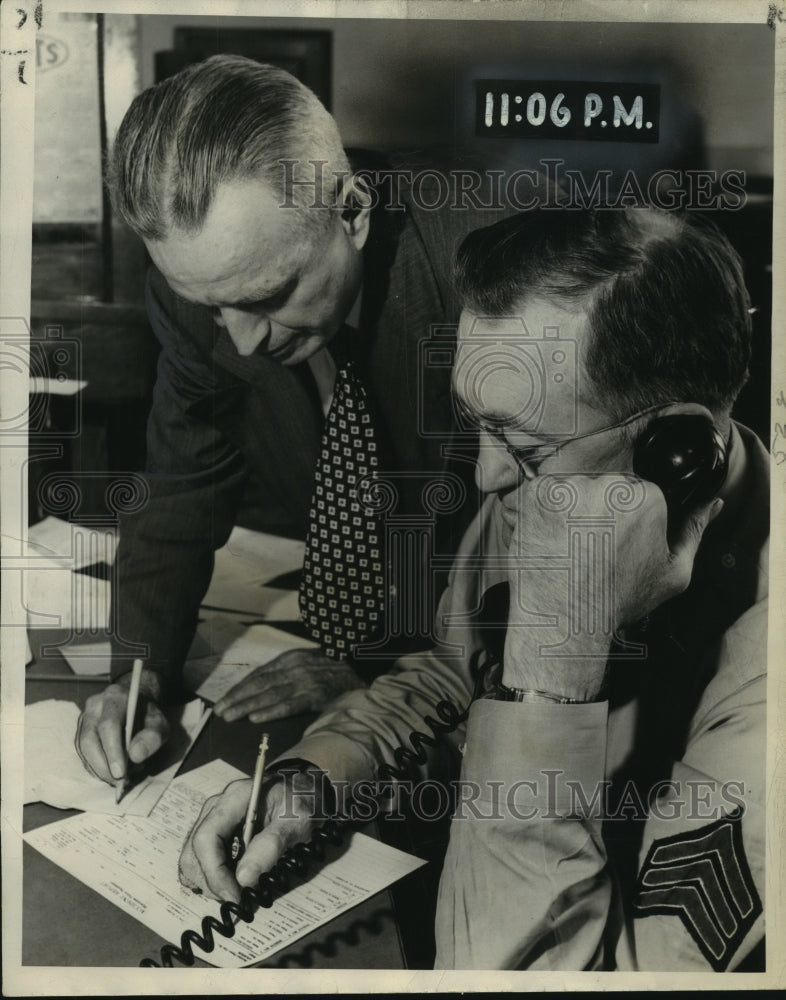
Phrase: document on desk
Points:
(58, 589)
(55, 596)
(82, 545)
(89, 659)
(133, 863)
(255, 573)
(54, 773)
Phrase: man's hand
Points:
(288, 810)
(300, 680)
(100, 734)
(594, 556)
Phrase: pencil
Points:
(253, 802)
(133, 698)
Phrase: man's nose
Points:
(246, 330)
(495, 470)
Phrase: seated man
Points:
(610, 810)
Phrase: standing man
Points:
(271, 266)
(611, 803)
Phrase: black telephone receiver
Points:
(685, 455)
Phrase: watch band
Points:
(533, 695)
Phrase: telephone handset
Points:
(295, 860)
(685, 455)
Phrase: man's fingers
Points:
(217, 871)
(270, 843)
(262, 853)
(253, 686)
(110, 727)
(152, 737)
(100, 738)
(686, 543)
(282, 710)
(303, 680)
(210, 870)
(90, 751)
(265, 701)
(297, 665)
(205, 860)
(145, 744)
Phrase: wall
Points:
(394, 80)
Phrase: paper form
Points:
(53, 593)
(89, 659)
(56, 597)
(245, 648)
(54, 773)
(277, 555)
(215, 633)
(83, 546)
(133, 863)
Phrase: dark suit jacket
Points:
(236, 439)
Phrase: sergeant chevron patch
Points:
(702, 877)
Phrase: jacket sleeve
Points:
(194, 476)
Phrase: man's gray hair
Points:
(227, 118)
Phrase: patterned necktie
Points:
(342, 591)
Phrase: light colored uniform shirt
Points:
(539, 874)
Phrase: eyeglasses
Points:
(530, 458)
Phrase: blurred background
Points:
(392, 85)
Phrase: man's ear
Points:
(721, 421)
(668, 410)
(356, 203)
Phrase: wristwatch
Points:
(533, 695)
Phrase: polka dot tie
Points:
(343, 585)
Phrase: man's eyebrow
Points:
(501, 427)
(281, 290)
(471, 412)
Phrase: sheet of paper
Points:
(56, 386)
(257, 574)
(133, 863)
(236, 585)
(56, 597)
(241, 649)
(54, 773)
(55, 537)
(215, 634)
(89, 659)
(276, 555)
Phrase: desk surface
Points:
(67, 924)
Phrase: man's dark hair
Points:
(223, 119)
(668, 310)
